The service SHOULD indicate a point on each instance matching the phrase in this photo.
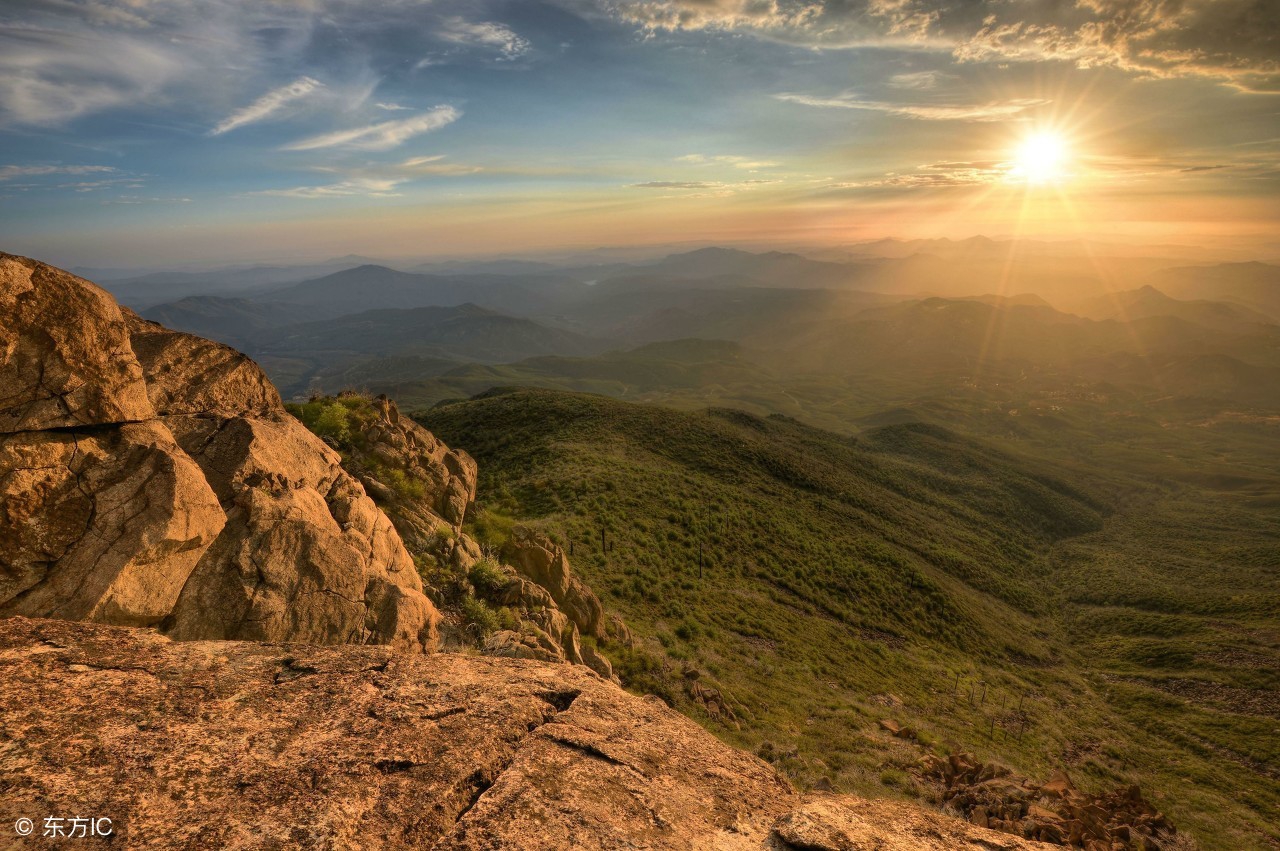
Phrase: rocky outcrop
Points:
(154, 478)
(197, 377)
(427, 490)
(443, 480)
(538, 558)
(546, 633)
(257, 746)
(1055, 812)
(846, 823)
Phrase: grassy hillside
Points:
(821, 583)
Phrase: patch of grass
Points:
(482, 617)
(487, 577)
(337, 420)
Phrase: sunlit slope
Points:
(836, 571)
(832, 568)
(911, 530)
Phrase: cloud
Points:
(713, 14)
(1231, 41)
(377, 180)
(112, 183)
(434, 166)
(392, 107)
(382, 136)
(917, 80)
(202, 62)
(346, 188)
(746, 163)
(700, 188)
(9, 172)
(940, 175)
(47, 76)
(267, 105)
(991, 111)
(132, 199)
(674, 184)
(485, 34)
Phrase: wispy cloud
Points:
(110, 183)
(917, 80)
(267, 105)
(378, 180)
(746, 163)
(392, 107)
(675, 184)
(939, 175)
(714, 14)
(204, 61)
(991, 111)
(9, 172)
(345, 188)
(433, 166)
(133, 200)
(48, 76)
(382, 136)
(485, 34)
(701, 188)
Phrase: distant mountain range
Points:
(465, 332)
(1149, 302)
(1254, 285)
(433, 334)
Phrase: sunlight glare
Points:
(1041, 158)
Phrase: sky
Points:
(138, 132)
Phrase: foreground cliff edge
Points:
(249, 745)
(153, 483)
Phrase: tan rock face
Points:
(104, 525)
(294, 538)
(535, 556)
(176, 490)
(65, 358)
(191, 375)
(552, 617)
(846, 823)
(447, 476)
(257, 746)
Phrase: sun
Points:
(1041, 158)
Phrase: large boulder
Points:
(65, 358)
(312, 557)
(186, 374)
(149, 477)
(105, 525)
(261, 746)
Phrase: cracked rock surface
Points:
(244, 745)
(153, 478)
(266, 746)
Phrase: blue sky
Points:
(135, 131)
